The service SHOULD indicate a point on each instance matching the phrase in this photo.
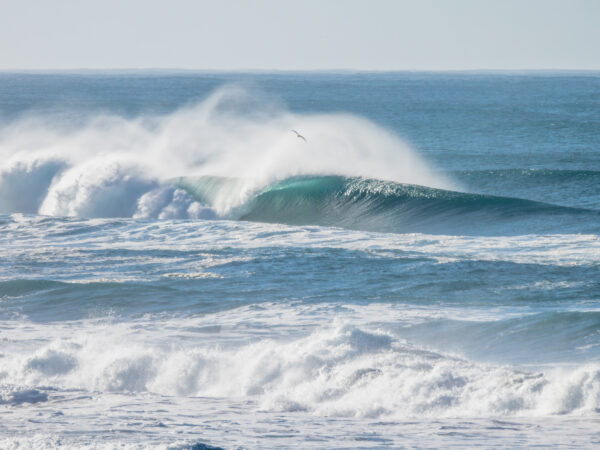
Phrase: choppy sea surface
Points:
(179, 270)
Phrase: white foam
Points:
(171, 203)
(20, 396)
(97, 188)
(351, 368)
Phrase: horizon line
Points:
(290, 71)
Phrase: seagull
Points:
(299, 135)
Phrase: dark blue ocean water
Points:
(428, 259)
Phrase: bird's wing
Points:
(299, 135)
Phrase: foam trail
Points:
(116, 166)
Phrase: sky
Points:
(300, 35)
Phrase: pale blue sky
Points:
(300, 35)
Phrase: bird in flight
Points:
(299, 135)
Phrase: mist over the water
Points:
(113, 166)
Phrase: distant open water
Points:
(178, 269)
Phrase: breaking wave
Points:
(233, 156)
(343, 371)
(112, 166)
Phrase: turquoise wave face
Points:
(385, 206)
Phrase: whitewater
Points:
(179, 270)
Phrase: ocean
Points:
(179, 270)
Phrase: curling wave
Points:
(386, 206)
